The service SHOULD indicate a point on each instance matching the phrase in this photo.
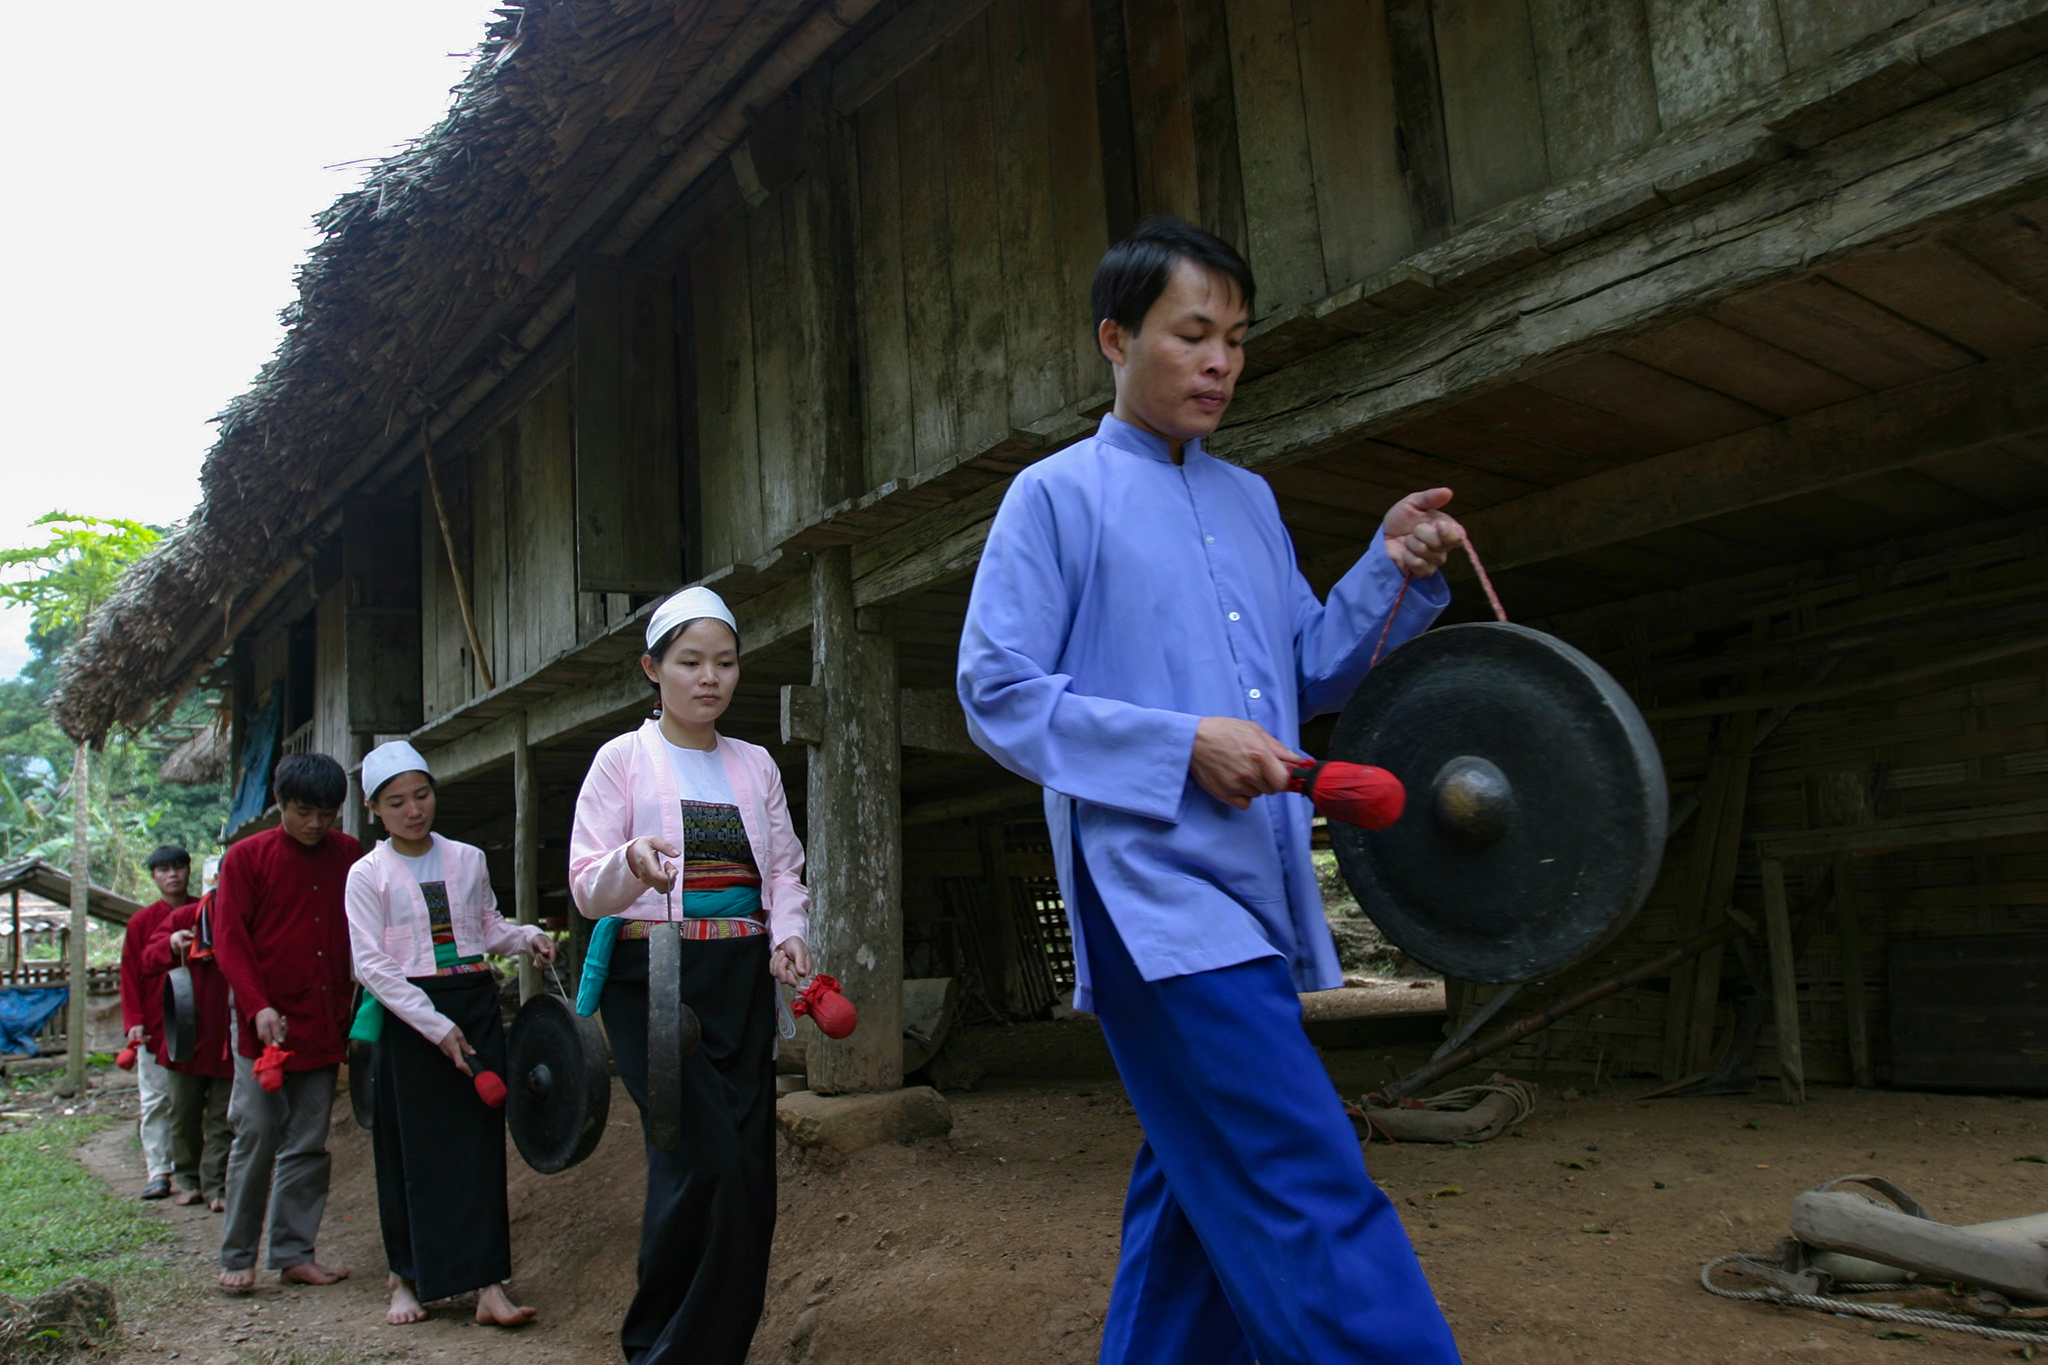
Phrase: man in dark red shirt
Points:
(280, 936)
(202, 1084)
(142, 1013)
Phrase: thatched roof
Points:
(200, 760)
(471, 216)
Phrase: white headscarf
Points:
(690, 604)
(387, 761)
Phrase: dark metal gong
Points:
(674, 1034)
(362, 1082)
(1536, 802)
(181, 1016)
(559, 1093)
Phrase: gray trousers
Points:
(200, 1135)
(153, 1079)
(278, 1165)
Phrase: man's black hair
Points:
(310, 779)
(170, 855)
(1134, 272)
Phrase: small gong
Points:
(181, 1016)
(1536, 802)
(674, 1034)
(559, 1090)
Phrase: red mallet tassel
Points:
(270, 1067)
(832, 1012)
(490, 1088)
(126, 1058)
(1352, 793)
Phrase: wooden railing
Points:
(101, 982)
(299, 741)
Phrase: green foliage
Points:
(131, 809)
(57, 1219)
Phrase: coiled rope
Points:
(1761, 1267)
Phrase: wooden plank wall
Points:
(330, 691)
(1958, 742)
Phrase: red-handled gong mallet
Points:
(832, 1012)
(270, 1067)
(490, 1088)
(1351, 793)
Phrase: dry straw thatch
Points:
(200, 760)
(458, 223)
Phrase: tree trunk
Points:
(81, 902)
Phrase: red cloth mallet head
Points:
(1351, 793)
(832, 1012)
(490, 1088)
(270, 1067)
(125, 1059)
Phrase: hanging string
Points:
(1500, 613)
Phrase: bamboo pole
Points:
(476, 648)
(1784, 982)
(81, 906)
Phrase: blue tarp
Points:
(259, 745)
(23, 1011)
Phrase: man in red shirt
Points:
(280, 936)
(142, 1012)
(202, 1084)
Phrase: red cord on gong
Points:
(1500, 613)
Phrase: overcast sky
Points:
(162, 167)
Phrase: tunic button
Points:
(1255, 694)
(1210, 540)
(1233, 616)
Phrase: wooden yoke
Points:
(856, 840)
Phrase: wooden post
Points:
(73, 1082)
(1784, 983)
(525, 848)
(856, 839)
(1850, 936)
(17, 930)
(998, 925)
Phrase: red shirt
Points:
(280, 935)
(212, 1042)
(142, 990)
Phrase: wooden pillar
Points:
(1784, 983)
(73, 1082)
(1849, 931)
(856, 835)
(16, 893)
(997, 928)
(525, 848)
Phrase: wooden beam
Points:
(1854, 996)
(1995, 401)
(929, 717)
(855, 838)
(1871, 682)
(1011, 796)
(1784, 983)
(914, 34)
(525, 848)
(1935, 164)
(1913, 831)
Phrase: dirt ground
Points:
(998, 1244)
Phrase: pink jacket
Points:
(392, 939)
(630, 792)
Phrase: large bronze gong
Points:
(1536, 802)
(559, 1092)
(674, 1034)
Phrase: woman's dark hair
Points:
(660, 648)
(170, 855)
(1134, 272)
(310, 779)
(432, 785)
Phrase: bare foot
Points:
(312, 1272)
(238, 1281)
(405, 1305)
(217, 1205)
(187, 1198)
(494, 1308)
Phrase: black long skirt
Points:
(710, 1214)
(441, 1150)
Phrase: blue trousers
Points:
(1251, 1231)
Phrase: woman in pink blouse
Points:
(676, 821)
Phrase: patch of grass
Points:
(57, 1219)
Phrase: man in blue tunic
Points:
(1141, 644)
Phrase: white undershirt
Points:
(425, 868)
(700, 775)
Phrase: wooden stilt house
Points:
(1727, 322)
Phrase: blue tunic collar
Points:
(1138, 441)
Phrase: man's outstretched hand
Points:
(1235, 760)
(1419, 534)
